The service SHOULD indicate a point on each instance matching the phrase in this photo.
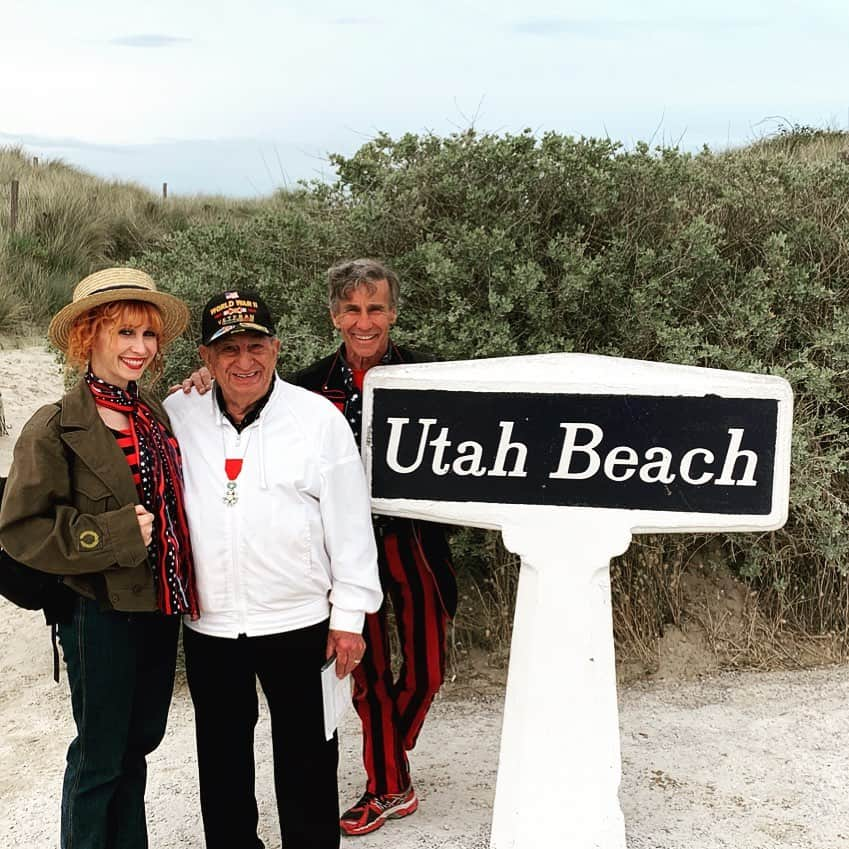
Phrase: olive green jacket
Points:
(69, 505)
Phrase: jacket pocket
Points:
(91, 495)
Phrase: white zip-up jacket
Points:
(297, 544)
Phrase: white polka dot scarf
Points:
(161, 493)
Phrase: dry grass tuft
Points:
(71, 223)
(803, 143)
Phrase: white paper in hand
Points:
(336, 695)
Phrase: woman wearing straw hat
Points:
(95, 495)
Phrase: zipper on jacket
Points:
(235, 537)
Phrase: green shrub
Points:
(515, 244)
(280, 254)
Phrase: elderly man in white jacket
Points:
(286, 569)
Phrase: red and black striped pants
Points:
(392, 710)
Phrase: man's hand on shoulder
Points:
(200, 381)
(349, 649)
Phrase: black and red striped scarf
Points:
(161, 493)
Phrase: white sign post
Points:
(569, 455)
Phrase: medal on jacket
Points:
(233, 462)
(232, 468)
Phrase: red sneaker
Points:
(371, 812)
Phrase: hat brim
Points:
(241, 327)
(175, 313)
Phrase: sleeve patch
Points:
(89, 540)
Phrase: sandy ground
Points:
(742, 760)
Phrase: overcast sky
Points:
(242, 97)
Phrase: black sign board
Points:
(639, 452)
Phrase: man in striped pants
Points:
(415, 568)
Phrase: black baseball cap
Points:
(235, 311)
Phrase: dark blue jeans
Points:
(121, 674)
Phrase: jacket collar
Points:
(78, 407)
(335, 378)
(90, 440)
(253, 413)
(274, 397)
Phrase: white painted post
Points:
(568, 455)
(559, 756)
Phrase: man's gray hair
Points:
(349, 275)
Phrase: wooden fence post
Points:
(13, 210)
(165, 191)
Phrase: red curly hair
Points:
(111, 317)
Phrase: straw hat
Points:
(118, 284)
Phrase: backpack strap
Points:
(53, 634)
